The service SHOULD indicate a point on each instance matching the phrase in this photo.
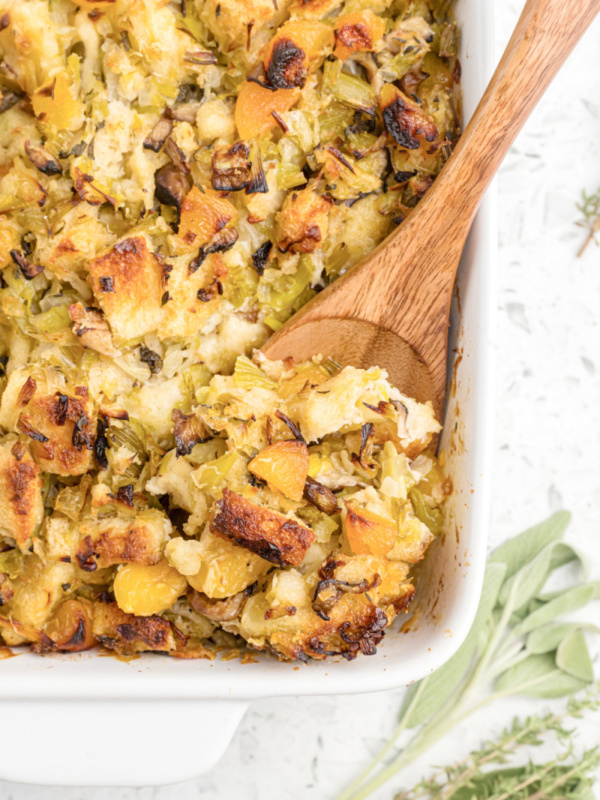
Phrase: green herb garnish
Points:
(590, 208)
(516, 646)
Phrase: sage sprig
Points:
(516, 646)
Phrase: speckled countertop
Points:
(546, 453)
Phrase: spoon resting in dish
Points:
(392, 309)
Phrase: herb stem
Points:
(348, 791)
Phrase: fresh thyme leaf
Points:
(590, 208)
(501, 651)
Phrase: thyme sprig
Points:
(561, 777)
(517, 646)
(590, 208)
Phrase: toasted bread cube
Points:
(62, 429)
(356, 32)
(203, 215)
(296, 47)
(122, 540)
(303, 222)
(193, 296)
(126, 633)
(284, 466)
(128, 285)
(80, 239)
(267, 533)
(20, 491)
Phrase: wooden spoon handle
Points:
(545, 35)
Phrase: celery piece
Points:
(54, 320)
(247, 375)
(11, 563)
(211, 475)
(349, 90)
(429, 515)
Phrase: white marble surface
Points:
(547, 444)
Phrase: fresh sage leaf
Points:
(563, 602)
(528, 581)
(523, 548)
(573, 657)
(539, 676)
(436, 689)
(547, 638)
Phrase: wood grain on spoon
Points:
(392, 309)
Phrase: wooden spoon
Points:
(392, 309)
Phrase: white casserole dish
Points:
(96, 721)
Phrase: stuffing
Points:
(21, 491)
(128, 285)
(176, 181)
(107, 541)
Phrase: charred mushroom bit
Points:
(176, 181)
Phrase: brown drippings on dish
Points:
(6, 652)
(411, 624)
(119, 656)
(454, 381)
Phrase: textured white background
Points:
(546, 453)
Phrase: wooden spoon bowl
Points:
(392, 309)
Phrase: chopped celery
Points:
(71, 499)
(429, 515)
(196, 378)
(241, 285)
(273, 323)
(53, 320)
(211, 475)
(335, 120)
(278, 291)
(11, 563)
(247, 375)
(349, 90)
(289, 176)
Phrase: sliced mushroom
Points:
(261, 256)
(158, 135)
(189, 430)
(171, 186)
(201, 58)
(177, 156)
(231, 167)
(329, 591)
(257, 182)
(321, 497)
(219, 610)
(28, 270)
(42, 160)
(186, 112)
(8, 99)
